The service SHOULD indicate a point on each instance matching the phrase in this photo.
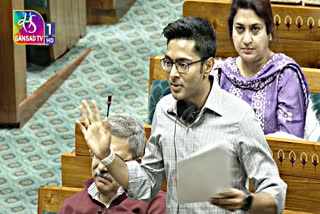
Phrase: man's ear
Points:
(207, 67)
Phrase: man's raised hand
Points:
(96, 132)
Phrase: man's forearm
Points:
(263, 203)
(119, 171)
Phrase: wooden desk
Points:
(51, 198)
(13, 66)
(106, 11)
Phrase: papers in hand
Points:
(203, 175)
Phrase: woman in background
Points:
(272, 83)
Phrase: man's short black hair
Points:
(196, 29)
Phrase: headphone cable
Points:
(176, 156)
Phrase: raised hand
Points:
(96, 132)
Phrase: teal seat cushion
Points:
(159, 89)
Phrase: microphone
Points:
(109, 104)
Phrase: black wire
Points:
(175, 153)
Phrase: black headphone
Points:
(187, 113)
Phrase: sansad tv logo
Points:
(29, 28)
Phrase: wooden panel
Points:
(298, 14)
(51, 198)
(13, 66)
(19, 64)
(57, 14)
(68, 22)
(82, 148)
(75, 169)
(101, 12)
(164, 185)
(82, 17)
(70, 19)
(296, 157)
(294, 212)
(106, 11)
(103, 4)
(313, 78)
(302, 194)
(305, 53)
(286, 41)
(75, 33)
(147, 129)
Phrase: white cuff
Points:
(108, 160)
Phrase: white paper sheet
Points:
(203, 175)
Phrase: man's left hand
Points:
(231, 199)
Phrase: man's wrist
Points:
(109, 159)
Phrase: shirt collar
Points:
(94, 193)
(213, 102)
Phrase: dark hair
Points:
(193, 28)
(261, 7)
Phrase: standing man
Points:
(197, 113)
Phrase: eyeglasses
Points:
(182, 67)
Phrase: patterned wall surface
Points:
(118, 65)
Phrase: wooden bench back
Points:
(298, 165)
(301, 42)
(51, 198)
